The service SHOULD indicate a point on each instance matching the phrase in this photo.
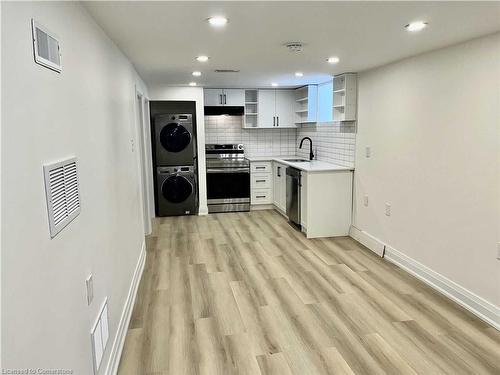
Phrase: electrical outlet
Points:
(89, 284)
(368, 152)
(387, 209)
(365, 200)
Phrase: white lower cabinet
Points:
(279, 186)
(261, 178)
(326, 203)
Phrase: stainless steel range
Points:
(228, 178)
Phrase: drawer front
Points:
(260, 167)
(261, 180)
(261, 196)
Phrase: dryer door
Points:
(176, 189)
(174, 137)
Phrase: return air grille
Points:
(46, 47)
(63, 195)
(226, 70)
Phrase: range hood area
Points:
(224, 110)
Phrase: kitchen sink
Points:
(296, 160)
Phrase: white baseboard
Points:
(477, 305)
(203, 210)
(373, 243)
(121, 332)
(258, 207)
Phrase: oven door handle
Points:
(228, 170)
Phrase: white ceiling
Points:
(162, 39)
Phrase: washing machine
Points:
(176, 191)
(174, 139)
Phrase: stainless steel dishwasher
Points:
(293, 196)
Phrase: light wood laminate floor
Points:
(244, 293)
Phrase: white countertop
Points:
(306, 166)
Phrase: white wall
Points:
(432, 122)
(86, 111)
(190, 94)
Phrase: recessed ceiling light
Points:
(217, 21)
(299, 74)
(274, 84)
(333, 60)
(192, 83)
(202, 58)
(196, 74)
(416, 26)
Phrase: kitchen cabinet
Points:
(306, 104)
(224, 97)
(267, 109)
(285, 103)
(345, 97)
(276, 109)
(326, 203)
(279, 186)
(261, 183)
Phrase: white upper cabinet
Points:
(267, 109)
(212, 97)
(276, 109)
(224, 97)
(285, 103)
(234, 97)
(345, 97)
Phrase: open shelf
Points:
(251, 109)
(344, 97)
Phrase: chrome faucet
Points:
(311, 155)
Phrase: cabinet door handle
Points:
(220, 99)
(279, 169)
(274, 121)
(225, 99)
(260, 196)
(260, 167)
(260, 180)
(277, 121)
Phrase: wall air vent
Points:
(226, 70)
(63, 195)
(46, 47)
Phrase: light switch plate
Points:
(89, 284)
(368, 152)
(387, 209)
(365, 200)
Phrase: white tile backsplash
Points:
(258, 142)
(332, 142)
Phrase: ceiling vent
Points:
(294, 46)
(226, 70)
(63, 195)
(45, 47)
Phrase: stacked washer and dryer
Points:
(175, 156)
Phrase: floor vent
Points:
(63, 195)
